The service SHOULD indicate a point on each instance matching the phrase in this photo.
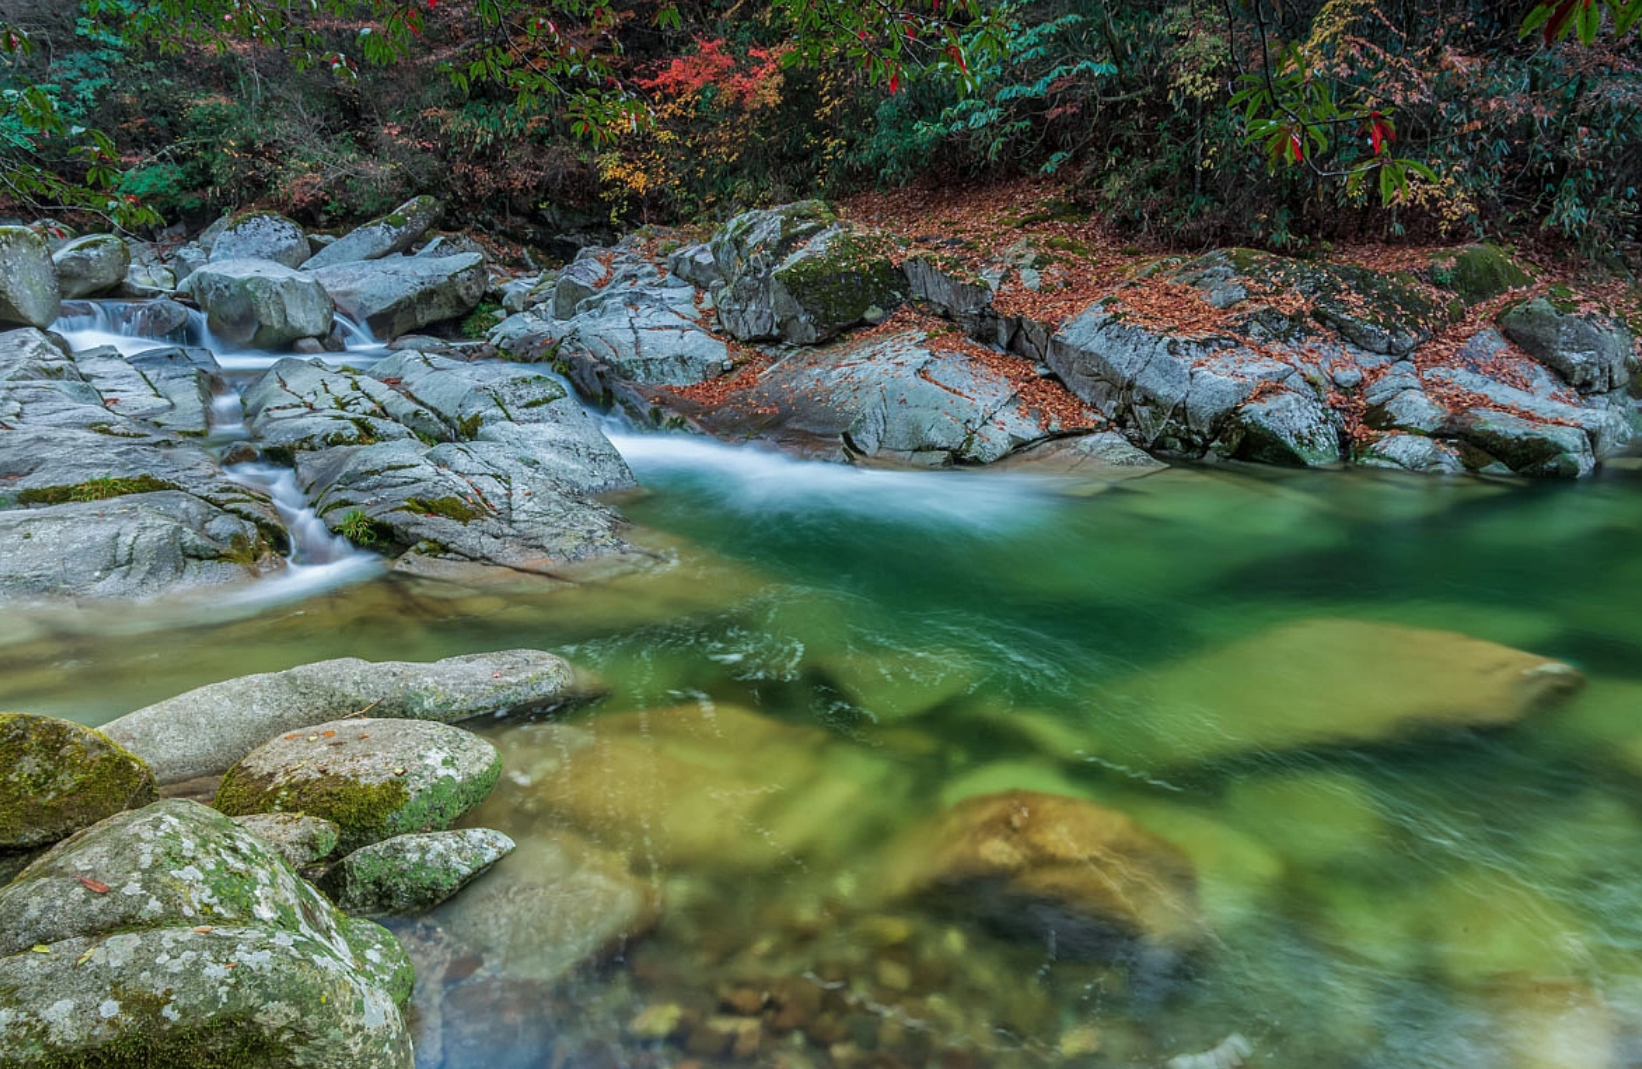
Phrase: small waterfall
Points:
(132, 326)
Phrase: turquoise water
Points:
(841, 654)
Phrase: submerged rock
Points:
(261, 236)
(411, 873)
(374, 778)
(29, 293)
(261, 304)
(203, 731)
(57, 777)
(1324, 682)
(91, 265)
(1088, 880)
(171, 935)
(393, 233)
(400, 294)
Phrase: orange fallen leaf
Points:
(328, 734)
(203, 929)
(96, 887)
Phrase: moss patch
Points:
(93, 490)
(363, 812)
(451, 508)
(57, 777)
(1478, 272)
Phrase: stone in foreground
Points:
(203, 731)
(169, 936)
(57, 777)
(374, 778)
(261, 303)
(411, 873)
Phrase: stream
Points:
(841, 653)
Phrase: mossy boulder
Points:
(91, 265)
(411, 873)
(1478, 272)
(799, 275)
(375, 778)
(29, 293)
(391, 234)
(1592, 352)
(169, 936)
(57, 777)
(262, 236)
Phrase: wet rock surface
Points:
(413, 873)
(172, 932)
(204, 731)
(102, 491)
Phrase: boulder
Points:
(29, 292)
(694, 264)
(1478, 273)
(1088, 880)
(1324, 682)
(581, 278)
(262, 236)
(393, 233)
(203, 731)
(374, 778)
(650, 344)
(57, 777)
(898, 397)
(1593, 353)
(798, 275)
(261, 304)
(412, 873)
(302, 405)
(148, 280)
(91, 265)
(170, 936)
(298, 838)
(405, 293)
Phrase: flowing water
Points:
(840, 654)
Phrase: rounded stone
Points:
(410, 873)
(374, 778)
(29, 292)
(57, 777)
(91, 265)
(262, 236)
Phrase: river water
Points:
(840, 654)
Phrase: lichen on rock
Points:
(57, 777)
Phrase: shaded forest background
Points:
(1131, 104)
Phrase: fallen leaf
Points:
(328, 734)
(203, 929)
(83, 958)
(40, 948)
(96, 887)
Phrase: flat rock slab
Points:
(57, 777)
(374, 778)
(204, 731)
(411, 873)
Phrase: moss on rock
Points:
(57, 777)
(1478, 272)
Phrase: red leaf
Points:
(96, 887)
(894, 84)
(1296, 147)
(1559, 19)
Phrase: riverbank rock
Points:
(799, 275)
(91, 265)
(1592, 353)
(102, 491)
(1323, 682)
(170, 935)
(203, 731)
(393, 233)
(29, 294)
(374, 778)
(1089, 880)
(261, 304)
(905, 397)
(412, 873)
(57, 777)
(1478, 272)
(400, 294)
(262, 236)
